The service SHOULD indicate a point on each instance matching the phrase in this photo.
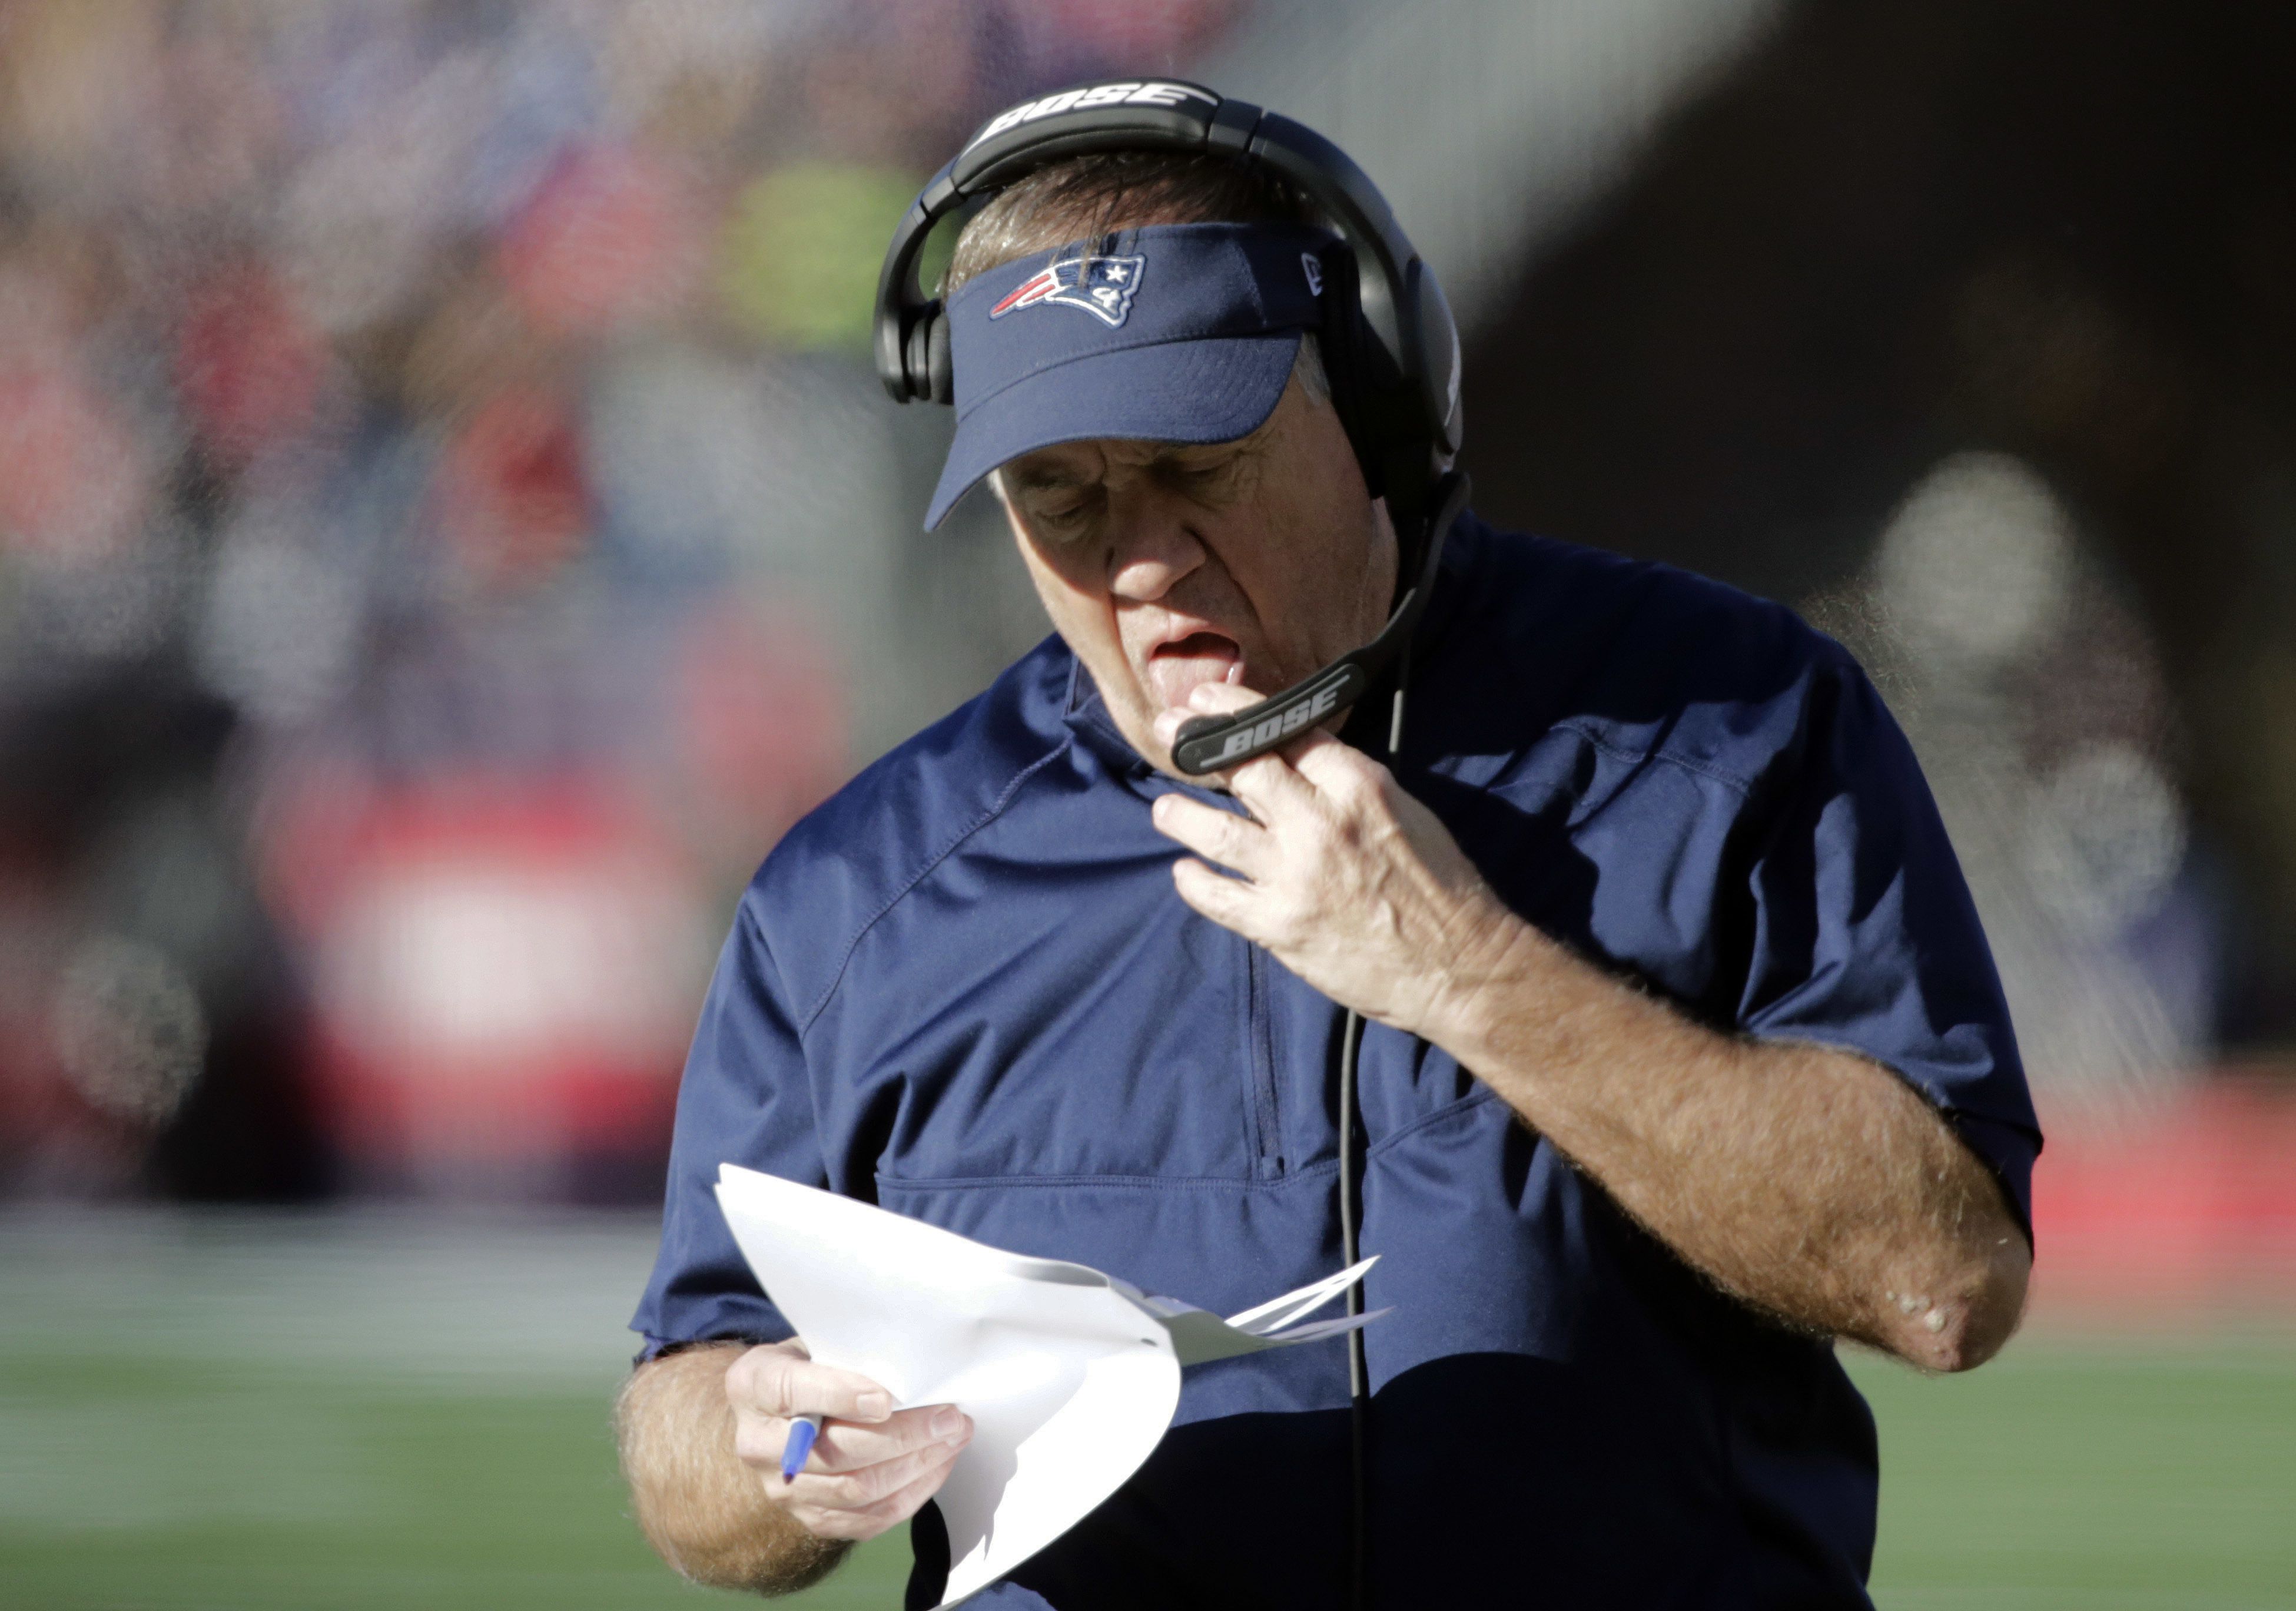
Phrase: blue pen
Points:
(803, 1430)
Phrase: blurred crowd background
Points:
(449, 528)
(447, 531)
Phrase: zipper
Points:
(1267, 1114)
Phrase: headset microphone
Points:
(1213, 744)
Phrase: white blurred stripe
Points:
(509, 1302)
(1487, 123)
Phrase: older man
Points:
(1687, 1055)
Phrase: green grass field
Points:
(354, 1411)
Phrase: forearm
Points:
(1808, 1181)
(701, 1508)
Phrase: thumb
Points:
(1205, 699)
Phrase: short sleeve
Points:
(744, 1099)
(1864, 935)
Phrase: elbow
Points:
(702, 1510)
(1976, 1314)
(1996, 1305)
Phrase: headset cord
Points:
(1351, 1248)
(1358, 1375)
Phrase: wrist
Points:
(1496, 954)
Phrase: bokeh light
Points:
(802, 247)
(129, 1033)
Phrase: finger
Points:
(1216, 835)
(1224, 900)
(1221, 699)
(1226, 698)
(844, 1446)
(857, 1490)
(1205, 699)
(1269, 786)
(1335, 768)
(870, 1520)
(774, 1381)
(1294, 749)
(1313, 741)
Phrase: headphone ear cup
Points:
(917, 352)
(1436, 334)
(940, 375)
(1342, 343)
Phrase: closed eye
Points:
(1202, 478)
(1063, 517)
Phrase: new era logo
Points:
(1101, 286)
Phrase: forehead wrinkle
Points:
(1148, 454)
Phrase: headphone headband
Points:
(1407, 321)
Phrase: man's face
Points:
(1254, 562)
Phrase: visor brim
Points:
(1210, 390)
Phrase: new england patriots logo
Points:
(1101, 286)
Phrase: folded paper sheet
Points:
(1070, 1377)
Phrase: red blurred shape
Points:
(514, 502)
(248, 362)
(1140, 31)
(72, 476)
(2183, 1207)
(608, 236)
(762, 715)
(504, 975)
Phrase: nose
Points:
(1153, 549)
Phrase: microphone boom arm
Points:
(1213, 744)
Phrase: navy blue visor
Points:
(1174, 332)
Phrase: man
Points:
(1686, 1054)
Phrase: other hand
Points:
(1350, 882)
(872, 1468)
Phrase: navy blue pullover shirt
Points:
(965, 990)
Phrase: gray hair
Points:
(1083, 198)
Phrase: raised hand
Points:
(1349, 882)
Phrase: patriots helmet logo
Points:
(1101, 286)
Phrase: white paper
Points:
(1071, 1377)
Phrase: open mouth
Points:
(1176, 667)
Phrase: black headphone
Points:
(1390, 343)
